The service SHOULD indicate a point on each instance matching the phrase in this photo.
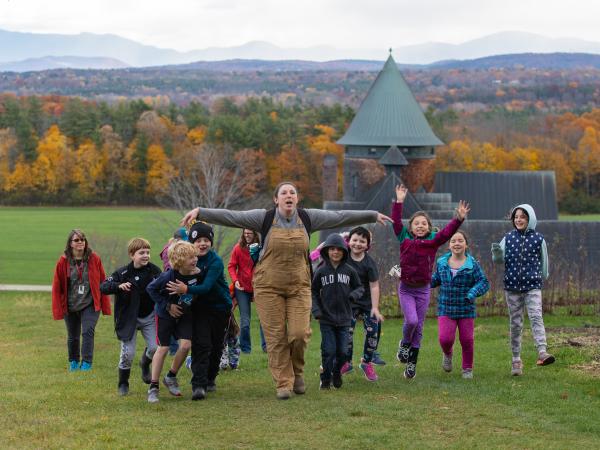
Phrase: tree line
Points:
(69, 151)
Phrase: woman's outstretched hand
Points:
(382, 218)
(191, 215)
(401, 192)
(463, 209)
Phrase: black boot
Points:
(124, 381)
(145, 366)
(411, 366)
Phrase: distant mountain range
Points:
(30, 51)
(62, 62)
(523, 60)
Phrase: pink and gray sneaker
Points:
(368, 370)
(346, 368)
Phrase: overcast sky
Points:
(195, 24)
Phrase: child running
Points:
(173, 315)
(418, 246)
(335, 285)
(462, 281)
(211, 310)
(524, 254)
(134, 310)
(367, 305)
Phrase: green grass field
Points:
(44, 406)
(580, 217)
(32, 239)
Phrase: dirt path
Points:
(25, 287)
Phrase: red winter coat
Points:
(240, 267)
(60, 284)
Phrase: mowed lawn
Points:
(580, 217)
(32, 239)
(44, 406)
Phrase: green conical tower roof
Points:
(390, 115)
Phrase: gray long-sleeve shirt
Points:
(253, 219)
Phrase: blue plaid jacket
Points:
(457, 294)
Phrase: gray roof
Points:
(390, 115)
(493, 194)
(393, 157)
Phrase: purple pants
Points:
(414, 302)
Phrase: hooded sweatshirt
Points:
(335, 288)
(524, 254)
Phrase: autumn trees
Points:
(59, 150)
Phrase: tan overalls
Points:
(283, 302)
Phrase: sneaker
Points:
(299, 386)
(447, 362)
(368, 371)
(153, 395)
(467, 374)
(123, 390)
(325, 385)
(544, 359)
(337, 380)
(233, 366)
(346, 368)
(283, 394)
(224, 364)
(211, 387)
(377, 360)
(517, 368)
(198, 393)
(73, 366)
(411, 370)
(188, 363)
(85, 366)
(172, 385)
(402, 355)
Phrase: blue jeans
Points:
(334, 341)
(244, 300)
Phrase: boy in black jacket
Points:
(335, 285)
(134, 310)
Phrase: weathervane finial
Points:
(390, 51)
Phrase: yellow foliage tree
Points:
(53, 168)
(586, 159)
(160, 170)
(323, 144)
(197, 135)
(20, 179)
(90, 171)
